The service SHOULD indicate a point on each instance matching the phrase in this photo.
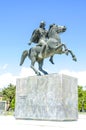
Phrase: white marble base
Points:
(48, 97)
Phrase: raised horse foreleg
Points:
(66, 51)
(73, 56)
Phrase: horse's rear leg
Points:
(33, 60)
(40, 67)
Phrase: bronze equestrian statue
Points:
(53, 46)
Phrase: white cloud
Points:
(26, 72)
(81, 76)
(7, 78)
(5, 66)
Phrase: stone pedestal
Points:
(48, 97)
(3, 106)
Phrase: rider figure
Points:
(43, 36)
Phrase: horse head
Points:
(60, 29)
(56, 28)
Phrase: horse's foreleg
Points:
(60, 45)
(66, 51)
(73, 56)
(40, 67)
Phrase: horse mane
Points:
(51, 26)
(50, 29)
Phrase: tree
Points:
(9, 95)
(81, 99)
(80, 96)
(84, 98)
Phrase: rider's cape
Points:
(35, 36)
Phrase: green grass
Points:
(83, 113)
(6, 113)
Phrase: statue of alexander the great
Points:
(48, 44)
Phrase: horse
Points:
(53, 46)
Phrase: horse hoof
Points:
(46, 73)
(38, 73)
(74, 59)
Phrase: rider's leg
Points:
(43, 48)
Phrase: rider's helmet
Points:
(42, 24)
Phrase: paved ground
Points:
(10, 123)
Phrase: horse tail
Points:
(23, 56)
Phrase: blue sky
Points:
(18, 19)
